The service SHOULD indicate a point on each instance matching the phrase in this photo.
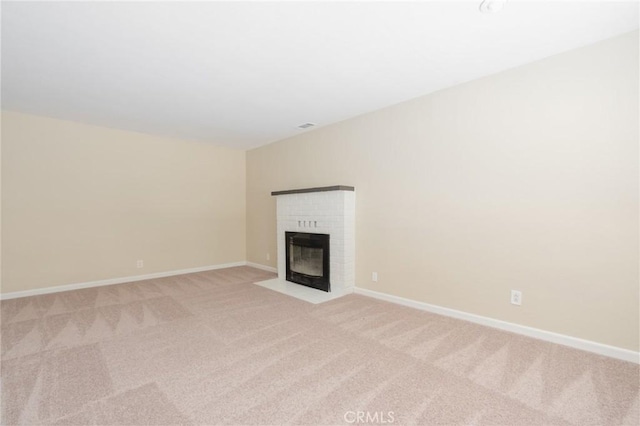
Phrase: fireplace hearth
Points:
(307, 259)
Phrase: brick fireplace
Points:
(323, 211)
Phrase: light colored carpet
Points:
(212, 348)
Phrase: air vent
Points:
(306, 125)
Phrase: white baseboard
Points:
(549, 336)
(67, 287)
(263, 267)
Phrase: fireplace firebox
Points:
(308, 259)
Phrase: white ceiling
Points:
(245, 74)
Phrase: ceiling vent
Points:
(306, 125)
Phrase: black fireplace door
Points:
(308, 259)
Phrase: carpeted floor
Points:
(212, 348)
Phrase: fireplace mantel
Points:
(318, 189)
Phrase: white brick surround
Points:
(326, 212)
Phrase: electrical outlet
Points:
(516, 297)
(139, 264)
(268, 256)
(374, 277)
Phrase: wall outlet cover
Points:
(516, 297)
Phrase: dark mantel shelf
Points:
(320, 189)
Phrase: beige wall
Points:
(526, 180)
(83, 203)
